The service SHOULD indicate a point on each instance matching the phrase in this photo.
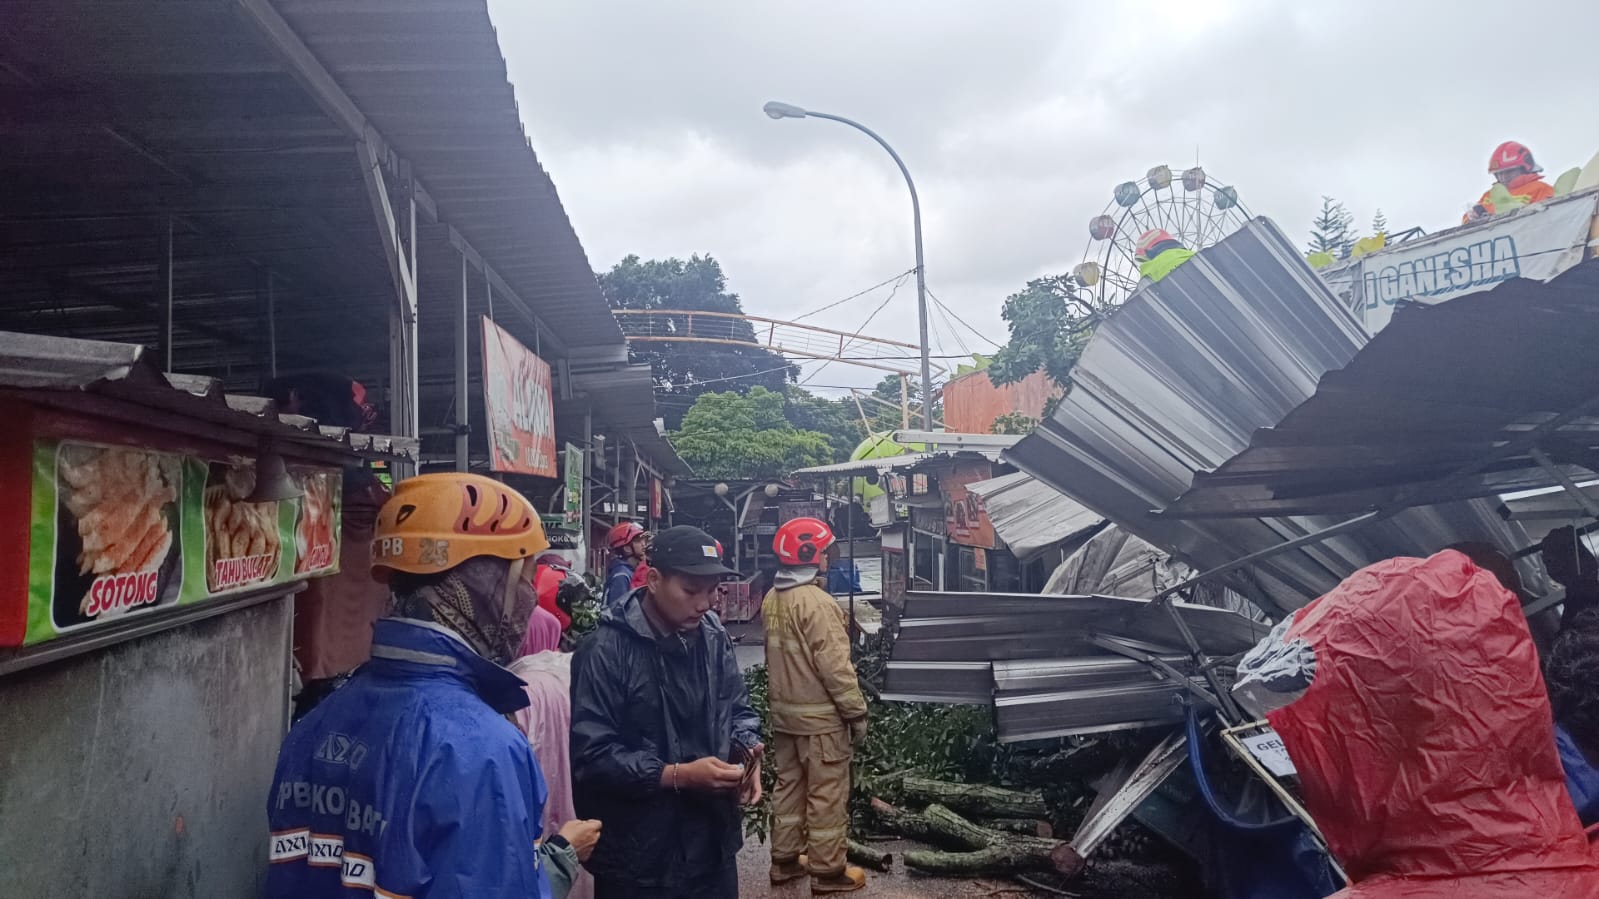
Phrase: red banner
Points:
(519, 406)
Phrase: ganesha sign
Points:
(518, 405)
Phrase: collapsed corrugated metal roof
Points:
(1448, 402)
(1031, 516)
(1177, 380)
(78, 375)
(1041, 660)
(895, 463)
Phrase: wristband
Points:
(558, 841)
(674, 778)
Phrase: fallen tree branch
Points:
(984, 851)
(869, 856)
(975, 799)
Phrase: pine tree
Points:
(1379, 223)
(1332, 231)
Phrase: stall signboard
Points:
(518, 405)
(1536, 243)
(965, 517)
(657, 506)
(790, 509)
(118, 530)
(573, 474)
(559, 533)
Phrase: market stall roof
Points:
(119, 381)
(1448, 402)
(894, 463)
(238, 126)
(1031, 516)
(1176, 382)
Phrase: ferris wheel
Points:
(1196, 211)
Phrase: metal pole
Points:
(849, 534)
(921, 266)
(1586, 503)
(164, 296)
(272, 325)
(904, 401)
(463, 446)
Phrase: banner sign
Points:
(120, 530)
(573, 474)
(519, 406)
(790, 509)
(1537, 242)
(1268, 749)
(965, 517)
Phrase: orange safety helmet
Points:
(801, 541)
(1511, 155)
(438, 521)
(1149, 240)
(623, 534)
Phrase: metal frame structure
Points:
(795, 339)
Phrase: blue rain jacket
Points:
(408, 782)
(1582, 779)
(618, 582)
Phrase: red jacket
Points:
(1531, 186)
(1425, 744)
(547, 583)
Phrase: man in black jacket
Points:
(665, 745)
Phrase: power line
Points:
(989, 340)
(886, 300)
(954, 334)
(853, 296)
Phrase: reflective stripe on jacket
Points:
(408, 782)
(813, 688)
(1163, 264)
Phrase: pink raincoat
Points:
(1425, 744)
(547, 722)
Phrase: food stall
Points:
(154, 530)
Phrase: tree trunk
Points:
(986, 851)
(975, 799)
(1025, 826)
(993, 860)
(870, 856)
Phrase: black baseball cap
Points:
(687, 550)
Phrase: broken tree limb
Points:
(1027, 827)
(869, 856)
(917, 827)
(975, 799)
(986, 851)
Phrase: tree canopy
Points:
(1050, 323)
(687, 369)
(1333, 229)
(732, 435)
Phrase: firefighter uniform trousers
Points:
(810, 805)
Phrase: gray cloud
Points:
(1016, 126)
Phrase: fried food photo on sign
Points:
(118, 497)
(313, 533)
(242, 544)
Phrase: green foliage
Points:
(1333, 229)
(1013, 423)
(1050, 323)
(688, 370)
(837, 419)
(979, 363)
(1379, 223)
(728, 435)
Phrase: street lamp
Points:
(777, 110)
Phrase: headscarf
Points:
(470, 599)
(543, 633)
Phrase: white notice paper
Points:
(1268, 749)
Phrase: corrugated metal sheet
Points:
(1178, 380)
(894, 463)
(1442, 390)
(1031, 516)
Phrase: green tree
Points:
(1333, 229)
(688, 369)
(838, 419)
(1013, 423)
(1050, 323)
(732, 435)
(1379, 223)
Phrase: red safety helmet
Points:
(623, 534)
(1149, 240)
(801, 541)
(1511, 155)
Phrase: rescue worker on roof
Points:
(1158, 253)
(627, 542)
(409, 780)
(1517, 182)
(817, 714)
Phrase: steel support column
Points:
(463, 416)
(399, 247)
(163, 288)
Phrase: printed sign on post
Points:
(1268, 749)
(574, 485)
(518, 405)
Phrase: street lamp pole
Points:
(778, 110)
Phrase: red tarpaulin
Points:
(1425, 744)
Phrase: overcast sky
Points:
(1016, 127)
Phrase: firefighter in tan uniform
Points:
(818, 714)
